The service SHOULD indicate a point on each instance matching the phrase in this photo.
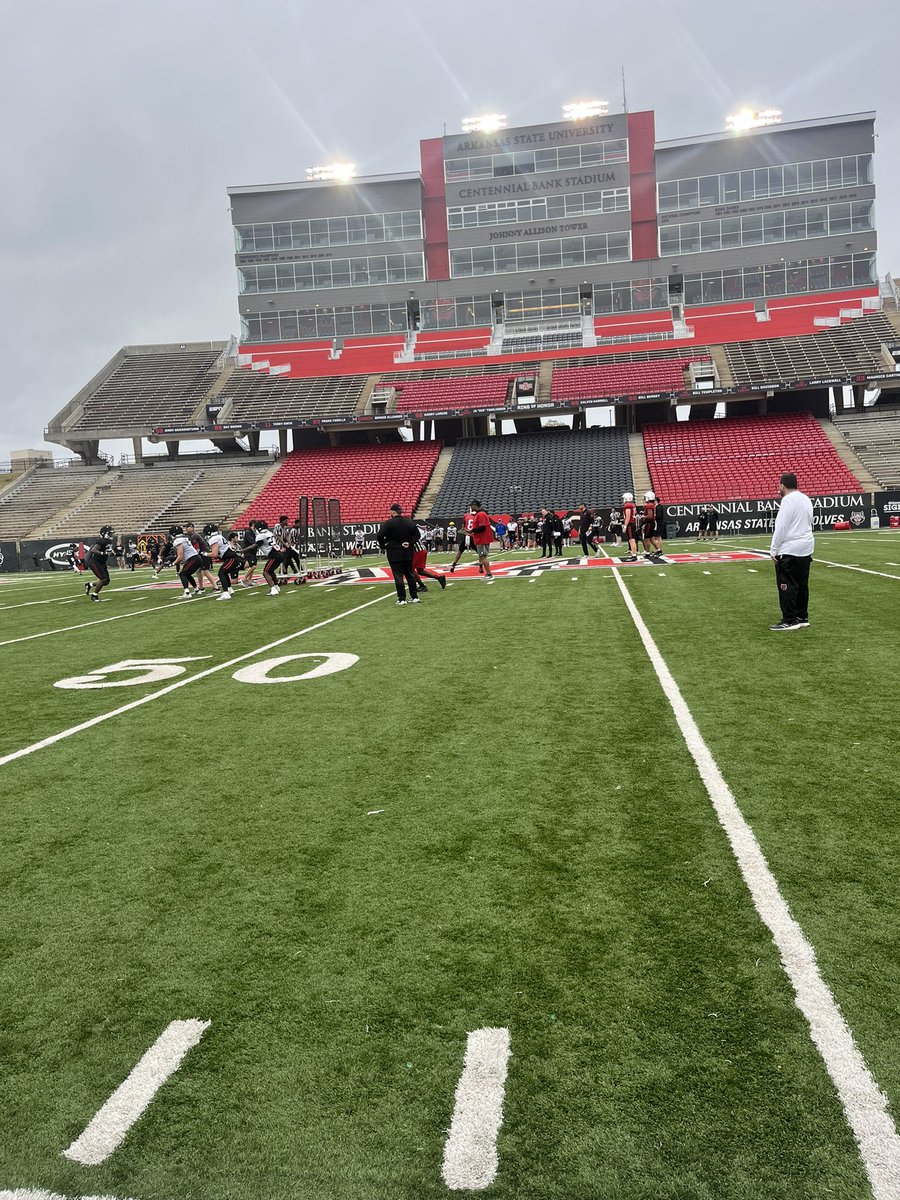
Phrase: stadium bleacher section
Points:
(366, 479)
(520, 473)
(623, 378)
(874, 435)
(742, 458)
(842, 351)
(139, 498)
(435, 395)
(42, 492)
(260, 397)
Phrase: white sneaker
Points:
(403, 602)
(275, 591)
(187, 593)
(415, 600)
(224, 596)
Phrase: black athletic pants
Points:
(587, 544)
(792, 577)
(189, 570)
(228, 571)
(547, 545)
(403, 570)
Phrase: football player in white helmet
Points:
(629, 523)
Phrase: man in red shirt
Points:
(478, 526)
(629, 523)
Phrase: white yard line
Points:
(101, 621)
(107, 1130)
(845, 566)
(40, 1194)
(62, 599)
(66, 733)
(864, 1103)
(470, 1152)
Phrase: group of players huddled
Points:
(232, 554)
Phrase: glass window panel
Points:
(640, 293)
(603, 298)
(835, 175)
(753, 283)
(776, 181)
(243, 238)
(482, 260)
(775, 284)
(359, 270)
(572, 252)
(621, 297)
(340, 273)
(709, 189)
(790, 180)
(544, 160)
(795, 224)
(454, 219)
(797, 278)
(816, 221)
(659, 293)
(688, 193)
(804, 177)
(318, 232)
(773, 227)
(300, 234)
(356, 229)
(337, 231)
(282, 235)
(669, 241)
(248, 327)
(751, 230)
(761, 182)
(667, 196)
(733, 284)
(712, 287)
(819, 175)
(839, 218)
(393, 226)
(865, 168)
(270, 327)
(527, 257)
(246, 279)
(710, 235)
(265, 277)
(861, 215)
(730, 187)
(693, 290)
(863, 268)
(690, 237)
(747, 192)
(374, 228)
(550, 253)
(819, 275)
(569, 156)
(284, 277)
(263, 237)
(505, 258)
(523, 163)
(553, 206)
(322, 274)
(378, 272)
(731, 233)
(848, 170)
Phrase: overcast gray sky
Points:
(125, 120)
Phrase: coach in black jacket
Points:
(398, 536)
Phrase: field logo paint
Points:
(108, 1129)
(154, 671)
(259, 672)
(470, 1152)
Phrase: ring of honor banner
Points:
(303, 514)
(335, 530)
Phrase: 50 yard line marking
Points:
(172, 687)
(865, 1106)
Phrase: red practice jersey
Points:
(629, 513)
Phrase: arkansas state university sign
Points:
(758, 516)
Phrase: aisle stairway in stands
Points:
(366, 479)
(438, 475)
(741, 458)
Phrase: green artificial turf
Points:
(547, 860)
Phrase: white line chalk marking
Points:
(40, 1194)
(846, 566)
(864, 1103)
(470, 1152)
(107, 1130)
(172, 687)
(102, 621)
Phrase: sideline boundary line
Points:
(101, 621)
(864, 1104)
(470, 1151)
(172, 687)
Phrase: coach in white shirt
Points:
(792, 549)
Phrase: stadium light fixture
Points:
(339, 172)
(749, 118)
(580, 110)
(488, 123)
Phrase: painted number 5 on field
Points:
(132, 671)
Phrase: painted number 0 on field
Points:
(155, 670)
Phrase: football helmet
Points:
(627, 496)
(649, 495)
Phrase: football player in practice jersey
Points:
(187, 560)
(649, 536)
(225, 554)
(95, 561)
(629, 526)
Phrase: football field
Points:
(580, 885)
